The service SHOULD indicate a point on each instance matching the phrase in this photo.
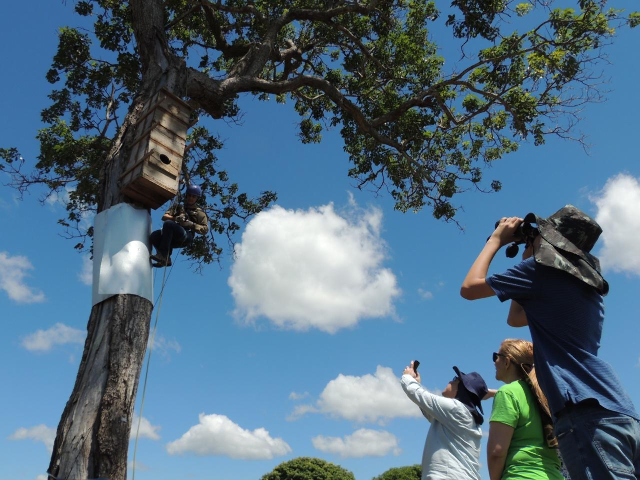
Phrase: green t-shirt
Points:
(528, 456)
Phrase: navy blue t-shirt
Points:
(565, 318)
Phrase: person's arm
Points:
(170, 214)
(475, 284)
(432, 406)
(500, 436)
(202, 225)
(491, 392)
(411, 372)
(517, 316)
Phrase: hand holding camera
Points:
(412, 370)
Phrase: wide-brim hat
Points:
(475, 385)
(567, 237)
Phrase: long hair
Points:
(520, 352)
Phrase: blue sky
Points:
(295, 347)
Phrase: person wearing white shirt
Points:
(452, 448)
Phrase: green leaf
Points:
(523, 8)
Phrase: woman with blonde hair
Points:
(521, 441)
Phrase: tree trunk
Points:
(92, 440)
(93, 435)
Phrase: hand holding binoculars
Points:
(525, 231)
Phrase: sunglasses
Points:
(496, 355)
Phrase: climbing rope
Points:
(165, 278)
(158, 304)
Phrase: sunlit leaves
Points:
(523, 8)
(413, 125)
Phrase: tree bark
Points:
(93, 435)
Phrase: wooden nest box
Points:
(153, 170)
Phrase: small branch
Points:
(179, 18)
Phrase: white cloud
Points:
(59, 334)
(13, 271)
(60, 197)
(298, 396)
(164, 347)
(425, 294)
(312, 269)
(86, 274)
(140, 467)
(301, 411)
(146, 429)
(217, 435)
(362, 443)
(619, 216)
(42, 477)
(39, 433)
(370, 398)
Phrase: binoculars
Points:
(525, 231)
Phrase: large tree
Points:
(307, 468)
(419, 128)
(413, 472)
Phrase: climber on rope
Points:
(181, 223)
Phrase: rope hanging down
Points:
(165, 278)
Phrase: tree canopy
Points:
(414, 123)
(307, 468)
(413, 472)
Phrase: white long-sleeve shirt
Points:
(452, 448)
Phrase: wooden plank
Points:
(170, 122)
(146, 190)
(164, 137)
(156, 169)
(160, 114)
(171, 168)
(171, 104)
(136, 164)
(174, 104)
(153, 156)
(167, 138)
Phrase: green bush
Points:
(414, 472)
(307, 468)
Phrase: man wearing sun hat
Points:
(557, 290)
